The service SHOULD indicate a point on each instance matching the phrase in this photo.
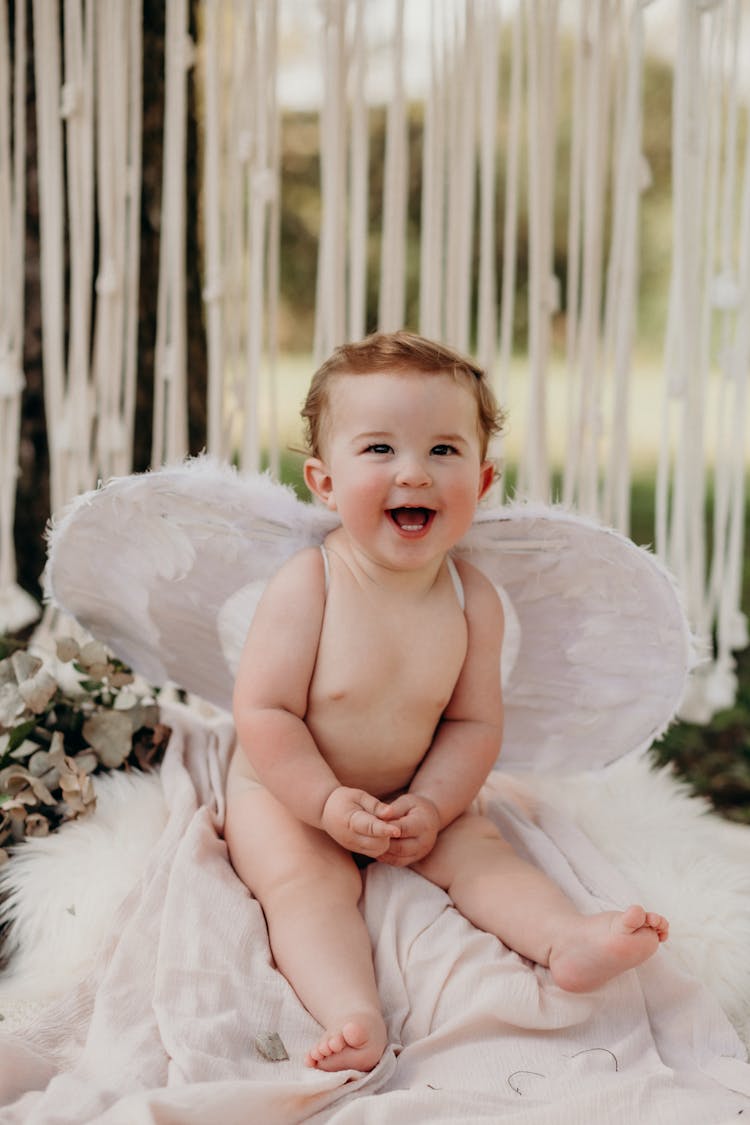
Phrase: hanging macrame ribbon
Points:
(392, 304)
(622, 272)
(330, 320)
(358, 190)
(240, 196)
(460, 200)
(542, 34)
(17, 608)
(214, 173)
(432, 225)
(170, 378)
(118, 134)
(730, 298)
(708, 300)
(488, 36)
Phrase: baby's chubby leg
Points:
(309, 889)
(504, 895)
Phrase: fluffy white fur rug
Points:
(64, 889)
(685, 861)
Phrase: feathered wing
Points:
(150, 564)
(166, 569)
(599, 641)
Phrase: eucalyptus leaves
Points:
(61, 723)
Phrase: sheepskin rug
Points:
(61, 892)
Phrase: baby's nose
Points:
(412, 471)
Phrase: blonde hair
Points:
(398, 352)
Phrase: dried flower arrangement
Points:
(55, 737)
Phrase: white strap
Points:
(458, 585)
(326, 567)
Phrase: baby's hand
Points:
(353, 818)
(419, 822)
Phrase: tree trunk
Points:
(32, 493)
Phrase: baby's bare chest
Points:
(388, 662)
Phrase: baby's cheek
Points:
(361, 505)
(462, 502)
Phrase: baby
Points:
(368, 702)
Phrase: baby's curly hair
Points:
(398, 352)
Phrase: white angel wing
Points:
(604, 649)
(166, 569)
(148, 565)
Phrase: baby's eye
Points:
(444, 450)
(379, 447)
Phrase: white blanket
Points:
(163, 1028)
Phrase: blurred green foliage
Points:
(301, 210)
(715, 760)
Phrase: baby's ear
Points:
(486, 478)
(318, 480)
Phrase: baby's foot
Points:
(357, 1046)
(601, 946)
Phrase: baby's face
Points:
(402, 463)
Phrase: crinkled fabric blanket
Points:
(164, 1028)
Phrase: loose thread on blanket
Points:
(536, 1074)
(533, 1073)
(590, 1051)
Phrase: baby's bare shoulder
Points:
(299, 575)
(295, 595)
(279, 653)
(480, 594)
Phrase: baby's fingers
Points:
(369, 821)
(367, 825)
(397, 809)
(374, 805)
(402, 853)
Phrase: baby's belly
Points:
(242, 778)
(362, 755)
(367, 754)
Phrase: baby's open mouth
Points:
(411, 519)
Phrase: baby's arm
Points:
(270, 702)
(468, 737)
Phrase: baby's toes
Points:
(632, 919)
(659, 923)
(323, 1050)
